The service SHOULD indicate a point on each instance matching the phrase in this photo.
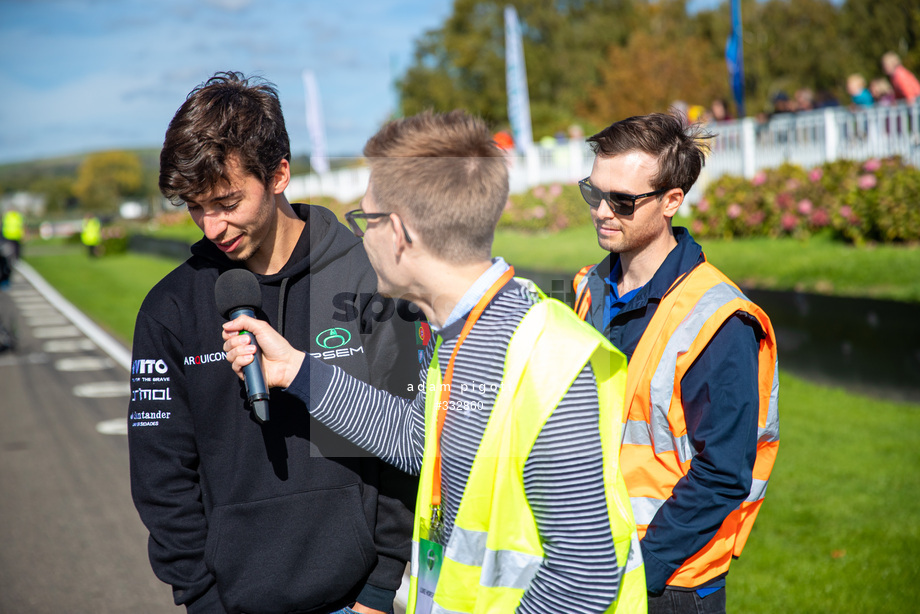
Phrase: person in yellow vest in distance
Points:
(515, 427)
(13, 230)
(91, 234)
(701, 426)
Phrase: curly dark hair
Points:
(681, 150)
(229, 115)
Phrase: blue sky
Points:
(84, 75)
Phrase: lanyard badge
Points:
(431, 550)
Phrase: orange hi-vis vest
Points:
(656, 452)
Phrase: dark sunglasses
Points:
(357, 221)
(622, 204)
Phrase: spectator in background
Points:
(680, 108)
(903, 81)
(719, 110)
(804, 99)
(576, 133)
(91, 234)
(697, 113)
(882, 92)
(504, 140)
(782, 104)
(6, 271)
(12, 228)
(826, 99)
(860, 96)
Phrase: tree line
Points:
(591, 62)
(96, 182)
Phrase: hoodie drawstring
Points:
(282, 303)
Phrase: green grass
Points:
(818, 265)
(840, 527)
(180, 232)
(108, 289)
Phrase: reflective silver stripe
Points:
(770, 431)
(582, 283)
(509, 569)
(645, 508)
(662, 385)
(413, 566)
(634, 560)
(758, 490)
(467, 547)
(636, 433)
(500, 568)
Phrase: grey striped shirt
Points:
(563, 476)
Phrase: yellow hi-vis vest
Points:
(495, 549)
(92, 231)
(12, 226)
(656, 452)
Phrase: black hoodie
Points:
(283, 516)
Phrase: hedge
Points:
(858, 202)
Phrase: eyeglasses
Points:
(622, 204)
(358, 219)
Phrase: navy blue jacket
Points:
(720, 400)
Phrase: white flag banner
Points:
(318, 159)
(516, 82)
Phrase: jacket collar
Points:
(683, 258)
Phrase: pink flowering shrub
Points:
(546, 208)
(874, 200)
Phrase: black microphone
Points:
(237, 293)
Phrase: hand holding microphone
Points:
(259, 355)
(237, 293)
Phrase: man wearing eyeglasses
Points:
(701, 424)
(514, 431)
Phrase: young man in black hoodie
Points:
(282, 515)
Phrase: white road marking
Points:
(103, 390)
(24, 293)
(84, 363)
(30, 303)
(42, 311)
(46, 320)
(109, 345)
(63, 346)
(56, 331)
(116, 426)
(8, 360)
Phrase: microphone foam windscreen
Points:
(237, 288)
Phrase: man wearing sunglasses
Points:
(701, 424)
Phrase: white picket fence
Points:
(740, 148)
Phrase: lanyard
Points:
(445, 399)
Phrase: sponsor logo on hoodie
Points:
(334, 340)
(203, 359)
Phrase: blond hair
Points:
(445, 175)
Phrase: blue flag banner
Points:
(516, 82)
(734, 57)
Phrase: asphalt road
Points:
(70, 538)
